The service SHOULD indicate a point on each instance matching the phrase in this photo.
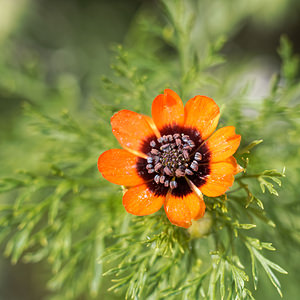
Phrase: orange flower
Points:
(172, 158)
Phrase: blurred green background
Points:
(54, 50)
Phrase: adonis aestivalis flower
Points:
(173, 158)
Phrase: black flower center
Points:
(179, 154)
(170, 156)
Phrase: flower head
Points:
(173, 158)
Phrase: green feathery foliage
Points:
(62, 211)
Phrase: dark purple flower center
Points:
(179, 154)
(170, 156)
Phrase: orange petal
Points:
(223, 143)
(167, 109)
(152, 125)
(181, 210)
(203, 114)
(220, 178)
(141, 201)
(238, 168)
(119, 166)
(131, 130)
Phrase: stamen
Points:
(149, 159)
(154, 151)
(152, 144)
(167, 171)
(186, 147)
(194, 166)
(178, 142)
(166, 184)
(188, 172)
(191, 143)
(157, 167)
(185, 138)
(162, 179)
(149, 166)
(185, 154)
(173, 184)
(198, 156)
(156, 159)
(179, 173)
(156, 178)
(164, 147)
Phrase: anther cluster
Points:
(171, 157)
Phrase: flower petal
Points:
(152, 125)
(181, 210)
(238, 168)
(119, 166)
(202, 113)
(167, 109)
(141, 201)
(220, 177)
(131, 130)
(222, 144)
